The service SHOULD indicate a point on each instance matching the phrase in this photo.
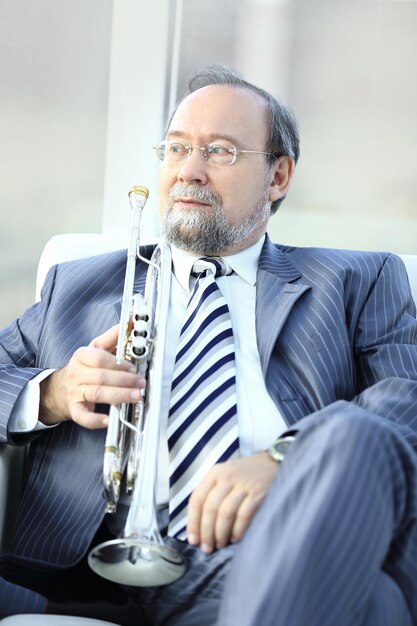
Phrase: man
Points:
(325, 354)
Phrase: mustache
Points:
(194, 191)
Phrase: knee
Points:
(357, 447)
(346, 425)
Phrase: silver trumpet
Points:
(139, 557)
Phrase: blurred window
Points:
(54, 76)
(347, 70)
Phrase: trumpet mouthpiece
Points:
(144, 191)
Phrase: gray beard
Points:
(207, 231)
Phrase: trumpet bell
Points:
(137, 563)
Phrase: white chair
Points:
(38, 619)
(410, 261)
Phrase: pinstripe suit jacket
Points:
(333, 328)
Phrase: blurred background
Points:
(85, 87)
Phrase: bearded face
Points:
(205, 229)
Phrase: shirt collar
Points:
(244, 263)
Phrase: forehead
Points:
(220, 110)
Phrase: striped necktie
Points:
(202, 422)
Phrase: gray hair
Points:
(283, 139)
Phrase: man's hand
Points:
(223, 505)
(91, 376)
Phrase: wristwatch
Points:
(280, 447)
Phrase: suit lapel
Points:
(276, 294)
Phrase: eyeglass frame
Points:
(205, 154)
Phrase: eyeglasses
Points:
(216, 153)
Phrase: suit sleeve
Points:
(385, 354)
(17, 600)
(18, 354)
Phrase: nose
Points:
(193, 169)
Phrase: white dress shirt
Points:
(259, 419)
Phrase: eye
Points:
(216, 149)
(177, 148)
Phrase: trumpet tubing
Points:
(139, 557)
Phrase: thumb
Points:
(108, 340)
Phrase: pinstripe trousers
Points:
(335, 542)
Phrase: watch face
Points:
(280, 447)
(283, 446)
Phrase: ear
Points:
(282, 174)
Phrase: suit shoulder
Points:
(106, 260)
(344, 266)
(338, 258)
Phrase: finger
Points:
(195, 508)
(88, 384)
(109, 378)
(83, 415)
(244, 516)
(210, 516)
(103, 394)
(227, 516)
(95, 357)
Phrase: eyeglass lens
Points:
(175, 152)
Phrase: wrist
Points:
(50, 399)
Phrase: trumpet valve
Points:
(139, 346)
(140, 334)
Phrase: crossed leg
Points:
(335, 543)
